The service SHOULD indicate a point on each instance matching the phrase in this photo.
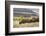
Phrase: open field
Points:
(17, 20)
(35, 24)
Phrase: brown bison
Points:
(34, 19)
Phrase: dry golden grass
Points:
(17, 25)
(36, 24)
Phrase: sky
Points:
(25, 11)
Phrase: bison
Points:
(34, 19)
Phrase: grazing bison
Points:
(34, 19)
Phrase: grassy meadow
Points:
(16, 23)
